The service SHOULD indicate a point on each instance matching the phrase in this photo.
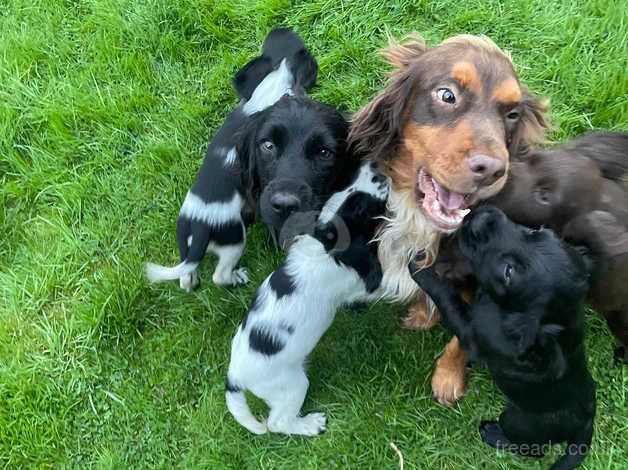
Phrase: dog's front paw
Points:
(448, 380)
(493, 435)
(420, 316)
(448, 386)
(240, 276)
(312, 424)
(189, 282)
(422, 275)
(236, 277)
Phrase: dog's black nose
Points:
(285, 203)
(486, 170)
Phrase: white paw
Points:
(189, 282)
(310, 425)
(234, 278)
(240, 276)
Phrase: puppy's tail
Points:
(157, 273)
(193, 253)
(239, 408)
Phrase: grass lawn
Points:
(106, 107)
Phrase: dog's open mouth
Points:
(445, 208)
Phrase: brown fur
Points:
(442, 152)
(421, 315)
(507, 91)
(448, 380)
(534, 124)
(467, 75)
(394, 131)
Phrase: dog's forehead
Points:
(484, 70)
(304, 123)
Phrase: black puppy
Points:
(527, 323)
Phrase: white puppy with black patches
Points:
(287, 318)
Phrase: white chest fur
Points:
(403, 234)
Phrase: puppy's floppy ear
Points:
(588, 262)
(347, 163)
(304, 68)
(247, 157)
(532, 126)
(377, 128)
(599, 232)
(251, 75)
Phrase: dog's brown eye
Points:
(267, 146)
(543, 196)
(446, 95)
(325, 154)
(507, 273)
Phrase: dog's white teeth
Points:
(453, 218)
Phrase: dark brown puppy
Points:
(552, 187)
(578, 191)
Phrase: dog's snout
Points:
(285, 203)
(480, 225)
(486, 170)
(481, 221)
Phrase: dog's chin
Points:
(443, 207)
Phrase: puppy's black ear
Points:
(251, 75)
(305, 69)
(247, 157)
(374, 277)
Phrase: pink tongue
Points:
(450, 200)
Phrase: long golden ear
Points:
(534, 123)
(401, 54)
(376, 129)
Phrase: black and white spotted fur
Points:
(211, 217)
(287, 317)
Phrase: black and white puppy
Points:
(211, 217)
(287, 318)
(293, 156)
(526, 323)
